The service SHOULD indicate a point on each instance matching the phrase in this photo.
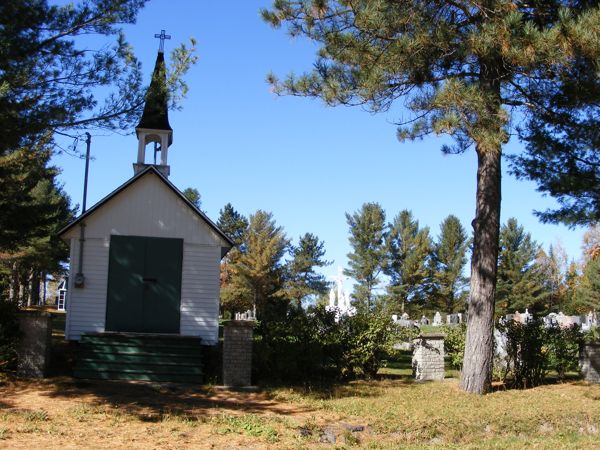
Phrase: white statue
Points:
(339, 299)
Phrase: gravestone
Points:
(437, 319)
(428, 357)
(589, 361)
(35, 344)
(237, 353)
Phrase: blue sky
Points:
(308, 164)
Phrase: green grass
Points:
(403, 414)
(401, 366)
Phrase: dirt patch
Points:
(63, 412)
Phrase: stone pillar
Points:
(428, 357)
(589, 360)
(237, 352)
(35, 344)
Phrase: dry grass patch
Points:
(61, 413)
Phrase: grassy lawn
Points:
(388, 413)
(385, 413)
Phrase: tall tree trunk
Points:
(13, 291)
(476, 376)
(34, 290)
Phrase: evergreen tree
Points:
(519, 278)
(459, 66)
(448, 261)
(233, 224)
(588, 294)
(49, 79)
(367, 260)
(563, 141)
(301, 279)
(257, 274)
(234, 295)
(407, 264)
(193, 196)
(29, 246)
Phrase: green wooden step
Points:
(140, 358)
(161, 341)
(126, 356)
(91, 374)
(138, 367)
(122, 348)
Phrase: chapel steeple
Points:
(154, 125)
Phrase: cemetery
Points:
(149, 320)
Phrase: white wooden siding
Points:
(87, 306)
(200, 292)
(146, 208)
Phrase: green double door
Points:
(144, 284)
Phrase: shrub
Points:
(454, 343)
(311, 345)
(9, 335)
(563, 346)
(533, 349)
(369, 338)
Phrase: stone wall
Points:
(35, 344)
(237, 352)
(428, 357)
(589, 361)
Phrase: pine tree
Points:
(257, 274)
(448, 261)
(367, 260)
(588, 294)
(233, 224)
(193, 196)
(29, 245)
(301, 279)
(563, 143)
(234, 294)
(459, 66)
(519, 278)
(407, 264)
(50, 80)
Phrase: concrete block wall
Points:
(428, 357)
(589, 361)
(35, 344)
(237, 353)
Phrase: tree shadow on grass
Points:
(152, 401)
(335, 390)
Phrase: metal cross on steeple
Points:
(162, 36)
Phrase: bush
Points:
(563, 346)
(454, 343)
(9, 335)
(533, 349)
(369, 339)
(303, 346)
